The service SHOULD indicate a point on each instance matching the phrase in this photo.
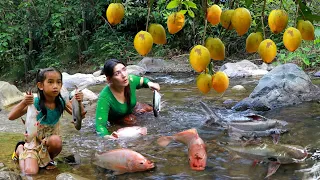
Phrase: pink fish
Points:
(196, 147)
(129, 132)
(122, 161)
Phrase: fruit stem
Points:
(297, 12)
(149, 9)
(211, 68)
(281, 5)
(262, 18)
(205, 4)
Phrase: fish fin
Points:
(143, 131)
(118, 172)
(272, 168)
(275, 138)
(164, 141)
(23, 121)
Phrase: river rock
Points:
(9, 94)
(9, 175)
(69, 176)
(136, 70)
(79, 79)
(238, 88)
(243, 68)
(284, 85)
(317, 74)
(151, 64)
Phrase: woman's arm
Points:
(145, 82)
(21, 108)
(102, 113)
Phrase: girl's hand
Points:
(28, 99)
(79, 96)
(154, 86)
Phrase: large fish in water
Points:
(274, 133)
(31, 122)
(122, 161)
(196, 147)
(275, 154)
(128, 132)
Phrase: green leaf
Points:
(190, 13)
(248, 3)
(173, 4)
(183, 11)
(191, 4)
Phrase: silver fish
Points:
(76, 113)
(156, 103)
(275, 154)
(31, 122)
(274, 133)
(259, 125)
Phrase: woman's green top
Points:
(109, 108)
(52, 117)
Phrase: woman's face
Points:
(120, 76)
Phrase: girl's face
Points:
(120, 76)
(52, 84)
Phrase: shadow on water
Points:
(181, 112)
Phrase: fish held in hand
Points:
(123, 161)
(156, 103)
(128, 132)
(76, 112)
(196, 147)
(31, 122)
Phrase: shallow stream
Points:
(181, 111)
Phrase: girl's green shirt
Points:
(109, 108)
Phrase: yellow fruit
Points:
(213, 14)
(199, 58)
(216, 48)
(225, 19)
(115, 13)
(158, 33)
(143, 42)
(204, 82)
(175, 22)
(267, 50)
(220, 81)
(306, 29)
(278, 20)
(292, 38)
(253, 41)
(241, 20)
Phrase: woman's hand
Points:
(28, 99)
(79, 96)
(154, 86)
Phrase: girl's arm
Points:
(21, 108)
(79, 97)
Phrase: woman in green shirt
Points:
(118, 99)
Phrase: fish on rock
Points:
(128, 132)
(123, 161)
(196, 147)
(274, 154)
(274, 133)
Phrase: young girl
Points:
(48, 144)
(118, 99)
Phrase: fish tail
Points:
(144, 131)
(164, 141)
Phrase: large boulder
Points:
(284, 85)
(81, 80)
(243, 68)
(9, 94)
(69, 176)
(151, 64)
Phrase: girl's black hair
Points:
(41, 77)
(108, 71)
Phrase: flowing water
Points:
(181, 111)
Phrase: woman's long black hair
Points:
(108, 71)
(41, 77)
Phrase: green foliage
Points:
(187, 4)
